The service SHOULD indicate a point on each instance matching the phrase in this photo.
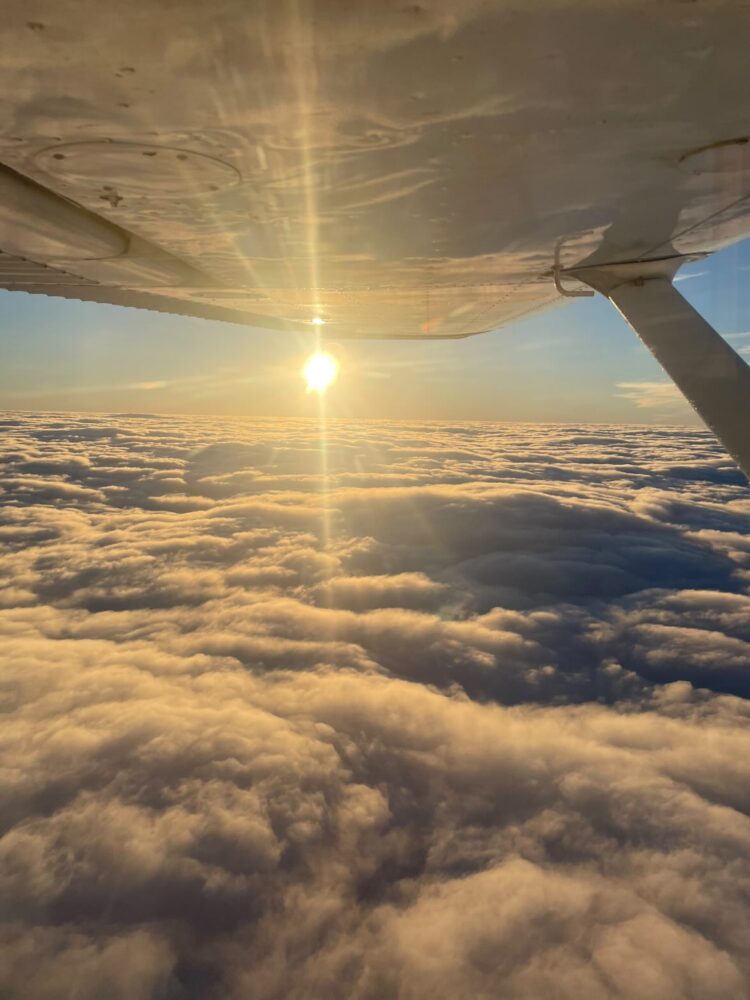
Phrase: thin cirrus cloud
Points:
(465, 717)
(649, 395)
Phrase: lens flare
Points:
(320, 372)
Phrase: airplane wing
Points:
(393, 169)
(431, 169)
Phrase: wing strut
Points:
(710, 374)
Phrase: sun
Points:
(320, 372)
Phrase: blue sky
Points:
(577, 362)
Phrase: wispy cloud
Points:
(737, 339)
(186, 384)
(652, 395)
(690, 277)
(156, 384)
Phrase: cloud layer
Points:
(463, 717)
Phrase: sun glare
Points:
(320, 372)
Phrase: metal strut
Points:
(711, 375)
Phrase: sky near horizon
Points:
(577, 362)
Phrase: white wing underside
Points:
(398, 170)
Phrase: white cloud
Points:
(487, 740)
(691, 276)
(653, 395)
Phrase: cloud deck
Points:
(463, 717)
